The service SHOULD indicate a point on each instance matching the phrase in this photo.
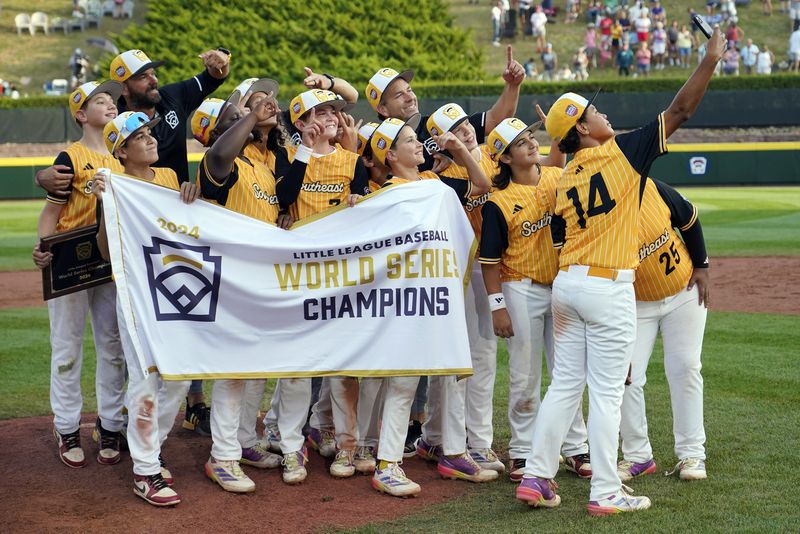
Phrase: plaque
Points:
(77, 263)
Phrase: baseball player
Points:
(598, 200)
(230, 179)
(671, 297)
(92, 105)
(152, 403)
(519, 264)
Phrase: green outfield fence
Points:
(685, 164)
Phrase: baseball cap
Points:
(87, 90)
(386, 133)
(446, 119)
(206, 116)
(506, 133)
(565, 113)
(123, 126)
(307, 100)
(364, 137)
(256, 85)
(129, 63)
(380, 81)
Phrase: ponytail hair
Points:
(503, 177)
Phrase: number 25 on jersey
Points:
(599, 200)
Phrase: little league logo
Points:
(571, 110)
(498, 144)
(77, 97)
(297, 107)
(184, 280)
(120, 71)
(381, 143)
(373, 94)
(172, 119)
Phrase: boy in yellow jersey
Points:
(519, 264)
(92, 105)
(671, 297)
(394, 144)
(152, 403)
(231, 179)
(594, 306)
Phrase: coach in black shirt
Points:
(174, 103)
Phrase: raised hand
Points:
(349, 127)
(514, 73)
(189, 192)
(217, 63)
(99, 185)
(311, 130)
(316, 81)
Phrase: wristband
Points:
(303, 153)
(331, 79)
(497, 302)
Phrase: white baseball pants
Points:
(322, 411)
(67, 322)
(294, 399)
(483, 349)
(152, 404)
(445, 425)
(681, 321)
(528, 305)
(253, 393)
(352, 403)
(398, 395)
(594, 331)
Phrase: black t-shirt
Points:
(178, 102)
(478, 121)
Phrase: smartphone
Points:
(702, 25)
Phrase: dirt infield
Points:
(43, 495)
(756, 284)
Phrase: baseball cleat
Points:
(414, 432)
(516, 469)
(617, 503)
(487, 459)
(272, 439)
(154, 489)
(628, 470)
(69, 448)
(535, 491)
(393, 481)
(258, 456)
(465, 468)
(343, 466)
(428, 452)
(579, 464)
(322, 441)
(166, 474)
(197, 418)
(229, 475)
(294, 466)
(109, 443)
(690, 469)
(364, 460)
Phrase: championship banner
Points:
(372, 290)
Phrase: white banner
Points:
(373, 290)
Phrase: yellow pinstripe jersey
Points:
(326, 183)
(249, 189)
(665, 266)
(475, 203)
(526, 250)
(598, 198)
(79, 207)
(166, 177)
(396, 180)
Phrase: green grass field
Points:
(742, 221)
(752, 391)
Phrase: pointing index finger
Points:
(509, 54)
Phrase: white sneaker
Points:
(394, 481)
(690, 469)
(487, 459)
(259, 456)
(619, 502)
(272, 439)
(294, 467)
(229, 475)
(364, 460)
(343, 466)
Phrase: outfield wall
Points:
(685, 164)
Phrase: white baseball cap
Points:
(256, 85)
(307, 100)
(129, 63)
(506, 133)
(380, 81)
(446, 119)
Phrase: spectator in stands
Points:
(604, 52)
(530, 68)
(658, 13)
(749, 56)
(672, 43)
(636, 11)
(525, 13)
(590, 44)
(573, 10)
(691, 25)
(593, 11)
(733, 34)
(606, 22)
(727, 9)
(539, 28)
(549, 63)
(616, 37)
(730, 62)
(624, 59)
(794, 50)
(624, 21)
(766, 7)
(685, 45)
(642, 25)
(612, 7)
(659, 45)
(764, 61)
(497, 22)
(794, 14)
(118, 9)
(643, 59)
(79, 66)
(580, 64)
(711, 5)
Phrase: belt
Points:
(600, 272)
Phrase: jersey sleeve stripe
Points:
(489, 261)
(691, 221)
(662, 135)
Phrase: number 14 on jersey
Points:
(599, 200)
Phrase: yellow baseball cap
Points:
(506, 133)
(313, 98)
(123, 126)
(565, 113)
(386, 133)
(87, 90)
(446, 119)
(129, 63)
(364, 137)
(205, 118)
(256, 85)
(380, 81)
